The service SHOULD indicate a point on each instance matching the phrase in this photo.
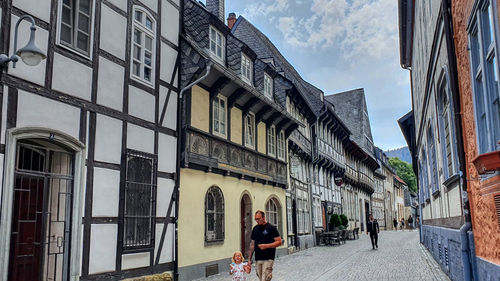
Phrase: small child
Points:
(238, 268)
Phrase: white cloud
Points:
(265, 8)
(357, 28)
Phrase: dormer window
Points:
(143, 47)
(268, 86)
(246, 69)
(217, 44)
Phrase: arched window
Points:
(143, 46)
(214, 215)
(273, 213)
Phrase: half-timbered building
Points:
(234, 142)
(89, 140)
(358, 180)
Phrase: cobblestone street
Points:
(399, 257)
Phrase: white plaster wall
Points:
(168, 57)
(120, 4)
(164, 194)
(167, 252)
(176, 79)
(140, 138)
(39, 9)
(108, 142)
(177, 2)
(163, 95)
(106, 193)
(110, 84)
(170, 22)
(1, 173)
(455, 202)
(102, 248)
(35, 74)
(152, 4)
(170, 120)
(141, 104)
(4, 114)
(113, 32)
(167, 149)
(31, 112)
(135, 260)
(71, 77)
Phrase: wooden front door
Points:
(245, 224)
(41, 215)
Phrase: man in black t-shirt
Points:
(267, 238)
(373, 229)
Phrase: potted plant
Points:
(344, 220)
(335, 222)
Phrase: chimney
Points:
(231, 20)
(216, 7)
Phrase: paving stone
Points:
(399, 257)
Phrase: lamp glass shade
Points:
(31, 58)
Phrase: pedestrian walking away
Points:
(265, 239)
(410, 223)
(402, 224)
(373, 229)
(395, 223)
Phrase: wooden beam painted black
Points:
(172, 78)
(247, 107)
(272, 118)
(12, 107)
(88, 195)
(52, 42)
(218, 86)
(261, 113)
(282, 124)
(234, 97)
(165, 227)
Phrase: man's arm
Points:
(275, 244)
(378, 228)
(251, 248)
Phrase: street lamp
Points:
(30, 54)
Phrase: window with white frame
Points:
(250, 130)
(143, 46)
(268, 86)
(214, 215)
(271, 141)
(273, 213)
(484, 69)
(217, 44)
(281, 145)
(433, 169)
(219, 109)
(446, 125)
(289, 215)
(76, 24)
(246, 68)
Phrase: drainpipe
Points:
(180, 127)
(468, 253)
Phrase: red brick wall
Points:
(484, 218)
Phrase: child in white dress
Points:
(238, 268)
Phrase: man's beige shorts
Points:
(264, 270)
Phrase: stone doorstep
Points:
(166, 276)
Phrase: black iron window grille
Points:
(214, 215)
(140, 200)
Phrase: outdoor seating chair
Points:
(343, 236)
(350, 235)
(334, 238)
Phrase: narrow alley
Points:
(399, 257)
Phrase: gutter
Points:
(467, 241)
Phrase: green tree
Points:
(335, 221)
(405, 172)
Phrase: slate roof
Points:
(351, 107)
(264, 48)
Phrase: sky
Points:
(340, 45)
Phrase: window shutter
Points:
(497, 207)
